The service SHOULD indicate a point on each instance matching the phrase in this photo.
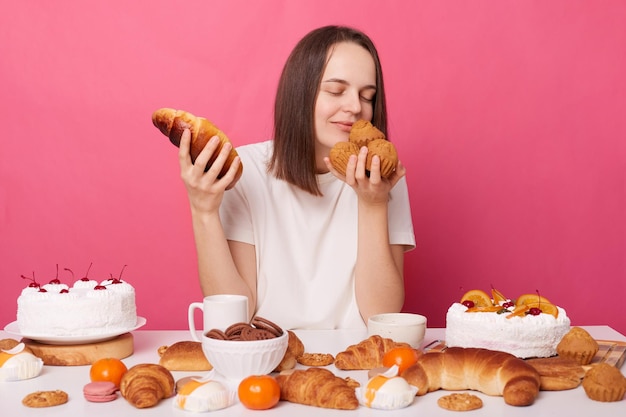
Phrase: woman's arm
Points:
(379, 273)
(221, 266)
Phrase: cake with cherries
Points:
(86, 308)
(529, 326)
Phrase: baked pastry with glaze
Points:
(386, 153)
(578, 344)
(558, 374)
(367, 354)
(172, 123)
(184, 356)
(144, 385)
(318, 387)
(488, 371)
(340, 154)
(605, 383)
(362, 132)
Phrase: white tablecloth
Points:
(71, 379)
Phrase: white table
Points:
(71, 379)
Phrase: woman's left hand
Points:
(373, 188)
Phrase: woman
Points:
(309, 247)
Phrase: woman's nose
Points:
(352, 103)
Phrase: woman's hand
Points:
(204, 189)
(371, 190)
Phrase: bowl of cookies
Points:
(245, 349)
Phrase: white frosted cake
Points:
(529, 329)
(85, 309)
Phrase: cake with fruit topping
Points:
(529, 326)
(86, 308)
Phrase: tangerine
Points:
(401, 356)
(107, 369)
(259, 392)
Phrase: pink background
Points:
(510, 116)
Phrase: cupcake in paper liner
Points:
(386, 391)
(604, 382)
(201, 395)
(19, 363)
(577, 344)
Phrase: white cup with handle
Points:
(218, 312)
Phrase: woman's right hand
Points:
(204, 189)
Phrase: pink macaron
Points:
(100, 392)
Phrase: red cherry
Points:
(85, 278)
(468, 303)
(508, 304)
(99, 287)
(34, 283)
(64, 291)
(534, 311)
(56, 279)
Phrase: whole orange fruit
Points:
(107, 369)
(401, 356)
(259, 392)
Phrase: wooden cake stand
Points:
(119, 347)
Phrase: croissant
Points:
(488, 371)
(318, 387)
(144, 385)
(367, 354)
(173, 122)
(295, 348)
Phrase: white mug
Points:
(218, 312)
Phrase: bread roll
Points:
(184, 356)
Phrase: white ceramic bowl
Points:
(236, 359)
(400, 327)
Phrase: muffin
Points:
(363, 132)
(340, 153)
(605, 383)
(387, 154)
(577, 344)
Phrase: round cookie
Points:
(41, 399)
(460, 402)
(216, 334)
(315, 359)
(265, 324)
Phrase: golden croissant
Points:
(318, 387)
(488, 371)
(144, 385)
(367, 354)
(173, 122)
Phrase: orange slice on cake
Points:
(478, 297)
(546, 308)
(526, 299)
(497, 296)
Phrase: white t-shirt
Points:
(305, 245)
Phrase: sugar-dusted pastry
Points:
(204, 395)
(386, 391)
(362, 132)
(18, 363)
(605, 383)
(340, 154)
(578, 344)
(387, 154)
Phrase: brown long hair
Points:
(293, 158)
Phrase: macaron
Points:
(100, 391)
